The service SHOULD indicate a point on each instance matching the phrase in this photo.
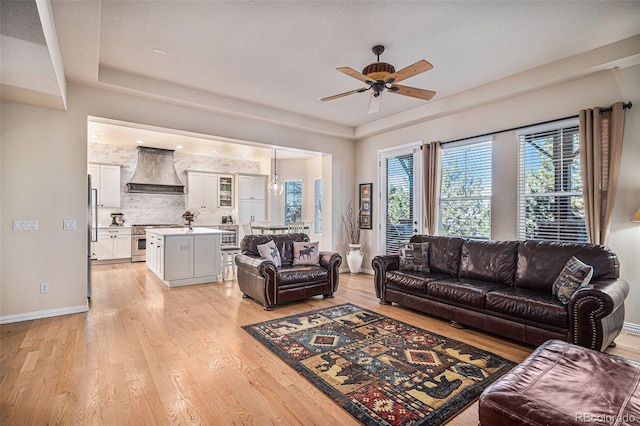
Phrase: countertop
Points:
(186, 231)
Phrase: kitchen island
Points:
(183, 256)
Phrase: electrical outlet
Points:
(69, 224)
(44, 288)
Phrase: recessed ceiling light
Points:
(139, 141)
(214, 151)
(245, 155)
(160, 52)
(94, 136)
(179, 147)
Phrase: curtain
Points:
(601, 131)
(432, 159)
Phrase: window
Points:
(400, 196)
(550, 203)
(465, 192)
(292, 201)
(318, 206)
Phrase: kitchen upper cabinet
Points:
(252, 201)
(106, 179)
(207, 191)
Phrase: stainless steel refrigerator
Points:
(92, 228)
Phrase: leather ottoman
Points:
(564, 384)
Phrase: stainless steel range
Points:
(139, 240)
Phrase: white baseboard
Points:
(362, 271)
(29, 316)
(630, 327)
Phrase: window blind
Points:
(398, 186)
(550, 202)
(465, 193)
(292, 200)
(318, 206)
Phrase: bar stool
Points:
(228, 256)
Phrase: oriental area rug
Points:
(382, 371)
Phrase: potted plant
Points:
(352, 227)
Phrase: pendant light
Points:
(275, 187)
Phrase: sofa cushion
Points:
(465, 291)
(270, 251)
(540, 262)
(294, 275)
(574, 275)
(412, 280)
(527, 304)
(444, 253)
(414, 257)
(493, 261)
(306, 253)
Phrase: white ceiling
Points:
(273, 60)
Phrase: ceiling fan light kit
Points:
(380, 76)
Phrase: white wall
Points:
(602, 89)
(307, 171)
(43, 170)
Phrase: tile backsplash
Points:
(161, 208)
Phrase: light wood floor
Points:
(146, 354)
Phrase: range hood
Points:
(155, 173)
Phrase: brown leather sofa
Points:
(504, 287)
(259, 278)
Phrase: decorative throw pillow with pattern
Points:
(305, 253)
(574, 275)
(414, 257)
(270, 251)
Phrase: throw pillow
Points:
(414, 257)
(574, 275)
(270, 251)
(306, 253)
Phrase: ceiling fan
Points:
(379, 76)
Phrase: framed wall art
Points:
(366, 205)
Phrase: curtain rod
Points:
(627, 105)
(510, 130)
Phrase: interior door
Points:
(400, 206)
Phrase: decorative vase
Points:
(354, 258)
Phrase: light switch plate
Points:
(25, 225)
(69, 224)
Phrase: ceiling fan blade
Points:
(330, 98)
(374, 103)
(355, 74)
(413, 92)
(417, 68)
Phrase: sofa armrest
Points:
(596, 313)
(382, 264)
(253, 264)
(331, 261)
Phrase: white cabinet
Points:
(209, 190)
(180, 260)
(113, 243)
(207, 254)
(252, 200)
(106, 179)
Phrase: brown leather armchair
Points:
(260, 280)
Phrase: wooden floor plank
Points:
(147, 354)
